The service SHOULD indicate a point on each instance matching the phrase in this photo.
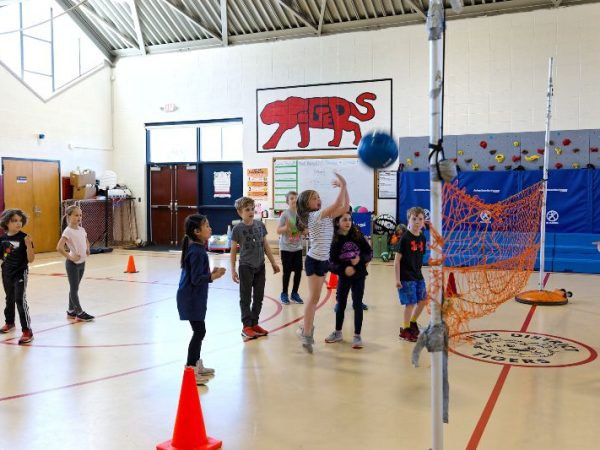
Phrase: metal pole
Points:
(435, 28)
(549, 95)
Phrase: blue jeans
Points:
(412, 292)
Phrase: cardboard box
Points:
(80, 179)
(81, 193)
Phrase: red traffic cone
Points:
(130, 266)
(451, 290)
(333, 281)
(189, 432)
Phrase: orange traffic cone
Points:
(189, 432)
(333, 281)
(451, 290)
(131, 266)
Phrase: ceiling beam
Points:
(137, 26)
(195, 21)
(416, 9)
(292, 6)
(107, 25)
(224, 30)
(88, 30)
(321, 17)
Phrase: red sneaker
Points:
(7, 327)
(407, 335)
(248, 333)
(414, 328)
(259, 331)
(27, 337)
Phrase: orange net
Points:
(489, 251)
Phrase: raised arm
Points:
(341, 203)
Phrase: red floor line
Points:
(298, 319)
(491, 403)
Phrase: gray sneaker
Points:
(335, 336)
(204, 370)
(307, 341)
(357, 341)
(201, 380)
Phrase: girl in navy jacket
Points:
(193, 288)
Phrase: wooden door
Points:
(161, 204)
(186, 196)
(34, 187)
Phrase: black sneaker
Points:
(414, 329)
(71, 315)
(84, 317)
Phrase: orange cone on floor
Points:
(189, 432)
(333, 281)
(451, 290)
(131, 266)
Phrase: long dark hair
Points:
(303, 208)
(191, 223)
(354, 233)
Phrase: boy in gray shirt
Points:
(251, 235)
(290, 249)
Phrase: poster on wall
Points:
(386, 183)
(258, 182)
(321, 116)
(222, 184)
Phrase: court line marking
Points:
(495, 394)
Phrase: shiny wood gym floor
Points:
(114, 383)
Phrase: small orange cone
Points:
(189, 432)
(451, 290)
(131, 266)
(333, 281)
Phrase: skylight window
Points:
(44, 47)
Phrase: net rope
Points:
(488, 252)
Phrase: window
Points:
(221, 142)
(50, 54)
(218, 141)
(173, 144)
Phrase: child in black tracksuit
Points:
(348, 258)
(16, 252)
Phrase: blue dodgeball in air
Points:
(377, 149)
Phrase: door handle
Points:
(37, 211)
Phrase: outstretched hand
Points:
(217, 272)
(340, 181)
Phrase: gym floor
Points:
(527, 380)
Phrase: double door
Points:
(34, 187)
(173, 197)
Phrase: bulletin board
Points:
(299, 174)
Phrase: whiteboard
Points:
(318, 174)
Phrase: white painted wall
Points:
(496, 76)
(80, 116)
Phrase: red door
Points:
(185, 199)
(161, 204)
(173, 197)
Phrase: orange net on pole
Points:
(488, 252)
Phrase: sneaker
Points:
(296, 298)
(259, 331)
(407, 335)
(357, 341)
(285, 300)
(335, 336)
(307, 341)
(27, 337)
(71, 315)
(248, 333)
(201, 380)
(414, 329)
(84, 317)
(201, 370)
(7, 327)
(365, 307)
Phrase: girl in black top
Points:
(348, 258)
(16, 252)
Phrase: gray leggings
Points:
(74, 274)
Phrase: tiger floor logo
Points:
(524, 349)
